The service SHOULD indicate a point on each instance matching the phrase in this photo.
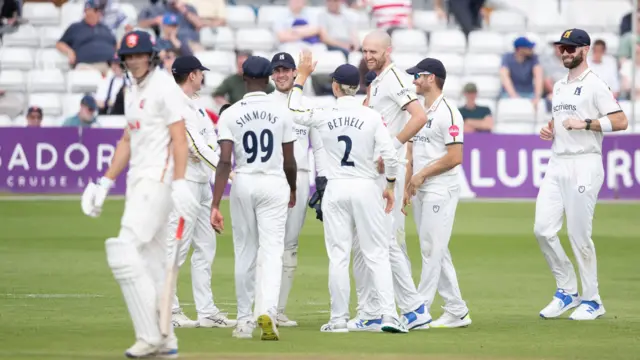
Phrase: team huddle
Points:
(372, 159)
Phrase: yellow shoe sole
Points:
(268, 331)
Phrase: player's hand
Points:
(232, 176)
(217, 220)
(306, 65)
(406, 201)
(184, 202)
(94, 195)
(292, 199)
(574, 124)
(416, 181)
(388, 195)
(546, 133)
(380, 165)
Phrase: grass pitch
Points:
(58, 299)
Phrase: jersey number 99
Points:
(250, 144)
(347, 150)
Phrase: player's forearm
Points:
(612, 122)
(222, 177)
(202, 150)
(291, 171)
(415, 123)
(120, 159)
(505, 80)
(441, 166)
(180, 155)
(294, 103)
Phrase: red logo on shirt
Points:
(133, 125)
(132, 40)
(142, 104)
(454, 130)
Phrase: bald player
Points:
(392, 96)
(584, 108)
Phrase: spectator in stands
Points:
(521, 74)
(627, 46)
(86, 116)
(168, 57)
(390, 14)
(169, 37)
(553, 70)
(34, 116)
(604, 66)
(189, 23)
(337, 29)
(476, 118)
(297, 28)
(626, 75)
(625, 24)
(109, 88)
(113, 17)
(232, 87)
(212, 12)
(466, 12)
(89, 44)
(9, 15)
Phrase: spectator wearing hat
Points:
(86, 116)
(34, 116)
(189, 23)
(109, 87)
(476, 118)
(521, 72)
(233, 87)
(169, 37)
(89, 44)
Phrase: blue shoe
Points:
(417, 319)
(561, 302)
(357, 324)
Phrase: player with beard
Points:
(584, 108)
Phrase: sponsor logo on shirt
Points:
(454, 130)
(564, 107)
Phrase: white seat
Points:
(488, 86)
(595, 15)
(71, 104)
(5, 121)
(26, 36)
(515, 128)
(450, 41)
(225, 39)
(71, 12)
(548, 20)
(20, 121)
(41, 13)
(486, 42)
(409, 40)
(220, 61)
(52, 121)
(51, 59)
(241, 16)
(405, 61)
(329, 61)
(110, 122)
(83, 81)
(16, 58)
(526, 7)
(482, 64)
(362, 34)
(355, 57)
(268, 14)
(49, 102)
(453, 63)
(611, 39)
(428, 20)
(13, 80)
(506, 20)
(129, 11)
(46, 80)
(539, 48)
(361, 18)
(208, 37)
(516, 110)
(255, 39)
(452, 87)
(322, 101)
(212, 80)
(49, 36)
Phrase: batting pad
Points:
(137, 288)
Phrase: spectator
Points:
(466, 12)
(604, 66)
(389, 14)
(169, 37)
(625, 24)
(212, 12)
(476, 118)
(553, 70)
(109, 88)
(189, 23)
(113, 17)
(626, 73)
(233, 88)
(297, 28)
(337, 29)
(86, 116)
(9, 15)
(521, 73)
(34, 116)
(89, 44)
(168, 57)
(626, 45)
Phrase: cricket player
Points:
(284, 73)
(154, 145)
(584, 108)
(188, 73)
(351, 205)
(260, 134)
(434, 157)
(390, 95)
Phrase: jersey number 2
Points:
(250, 144)
(347, 150)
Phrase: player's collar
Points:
(435, 104)
(254, 93)
(281, 94)
(565, 80)
(347, 100)
(384, 72)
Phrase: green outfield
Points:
(58, 299)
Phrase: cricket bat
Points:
(171, 277)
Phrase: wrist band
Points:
(391, 180)
(297, 86)
(397, 144)
(605, 124)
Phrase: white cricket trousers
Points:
(405, 290)
(295, 220)
(570, 186)
(259, 206)
(201, 235)
(138, 256)
(353, 207)
(434, 211)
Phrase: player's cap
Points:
(136, 42)
(346, 74)
(283, 59)
(574, 37)
(470, 88)
(257, 67)
(368, 79)
(89, 102)
(95, 4)
(170, 19)
(34, 109)
(429, 66)
(186, 65)
(523, 42)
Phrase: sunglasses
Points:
(568, 48)
(417, 76)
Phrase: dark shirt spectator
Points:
(169, 37)
(87, 114)
(189, 23)
(476, 118)
(521, 72)
(233, 88)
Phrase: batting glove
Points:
(94, 195)
(184, 202)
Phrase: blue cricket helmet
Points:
(136, 42)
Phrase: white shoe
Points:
(359, 325)
(448, 320)
(392, 324)
(243, 330)
(418, 319)
(334, 328)
(561, 302)
(169, 349)
(141, 350)
(588, 310)
(284, 321)
(218, 320)
(180, 320)
(268, 328)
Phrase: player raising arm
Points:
(137, 257)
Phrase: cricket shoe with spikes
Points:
(334, 328)
(180, 320)
(391, 324)
(169, 348)
(244, 329)
(268, 328)
(561, 302)
(283, 321)
(219, 320)
(142, 350)
(448, 320)
(359, 325)
(418, 319)
(588, 310)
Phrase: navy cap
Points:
(257, 67)
(368, 79)
(136, 42)
(574, 37)
(429, 66)
(346, 74)
(89, 102)
(523, 42)
(94, 4)
(186, 65)
(284, 60)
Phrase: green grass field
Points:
(58, 299)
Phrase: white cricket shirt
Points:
(585, 97)
(350, 134)
(258, 127)
(150, 107)
(444, 127)
(203, 143)
(391, 91)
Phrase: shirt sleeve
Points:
(288, 133)
(319, 154)
(301, 115)
(606, 103)
(103, 87)
(399, 89)
(451, 125)
(224, 127)
(199, 145)
(174, 106)
(535, 60)
(68, 36)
